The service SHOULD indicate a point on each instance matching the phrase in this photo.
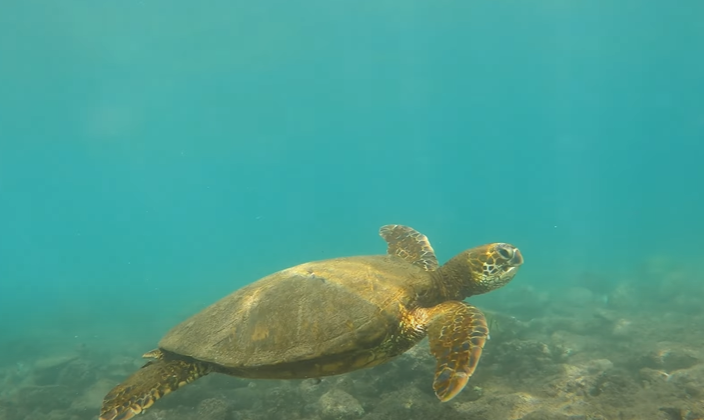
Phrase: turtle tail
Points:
(154, 380)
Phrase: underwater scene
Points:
(369, 210)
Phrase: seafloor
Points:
(595, 349)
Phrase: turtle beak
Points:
(517, 259)
(513, 265)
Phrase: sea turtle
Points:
(333, 316)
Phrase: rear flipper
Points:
(154, 380)
(457, 332)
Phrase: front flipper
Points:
(457, 332)
(154, 380)
(410, 245)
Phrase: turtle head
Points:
(484, 268)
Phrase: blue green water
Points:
(156, 155)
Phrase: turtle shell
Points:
(318, 311)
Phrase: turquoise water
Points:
(156, 155)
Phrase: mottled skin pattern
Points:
(330, 317)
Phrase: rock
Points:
(45, 398)
(679, 413)
(409, 403)
(498, 406)
(91, 399)
(624, 297)
(54, 361)
(525, 302)
(77, 374)
(242, 398)
(523, 359)
(213, 409)
(46, 371)
(653, 376)
(622, 328)
(504, 327)
(7, 411)
(282, 399)
(171, 414)
(577, 297)
(669, 357)
(339, 405)
(691, 380)
(580, 380)
(548, 414)
(565, 345)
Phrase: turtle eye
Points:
(505, 253)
